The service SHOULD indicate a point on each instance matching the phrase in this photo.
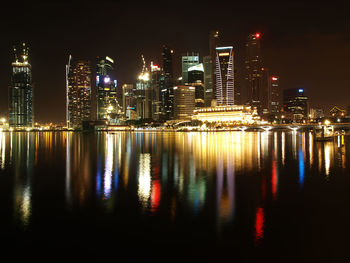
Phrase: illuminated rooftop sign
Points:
(198, 67)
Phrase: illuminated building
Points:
(143, 94)
(253, 65)
(78, 81)
(157, 84)
(236, 114)
(316, 113)
(184, 102)
(208, 84)
(195, 79)
(213, 44)
(188, 60)
(296, 103)
(224, 76)
(167, 92)
(21, 112)
(337, 112)
(128, 97)
(107, 104)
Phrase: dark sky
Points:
(306, 43)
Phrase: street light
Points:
(327, 122)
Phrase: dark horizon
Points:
(305, 44)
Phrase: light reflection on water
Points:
(169, 172)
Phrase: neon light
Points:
(257, 35)
(274, 78)
(301, 90)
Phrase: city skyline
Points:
(292, 51)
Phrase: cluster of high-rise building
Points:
(208, 82)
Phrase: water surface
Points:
(238, 196)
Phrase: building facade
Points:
(21, 114)
(78, 88)
(224, 76)
(184, 102)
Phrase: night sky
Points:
(306, 44)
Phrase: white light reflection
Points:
(144, 172)
(107, 182)
(2, 150)
(283, 148)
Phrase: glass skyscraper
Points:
(78, 81)
(224, 76)
(188, 60)
(21, 114)
(167, 92)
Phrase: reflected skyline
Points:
(170, 174)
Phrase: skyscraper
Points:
(224, 76)
(208, 84)
(21, 113)
(274, 95)
(188, 60)
(78, 81)
(157, 84)
(107, 103)
(167, 92)
(253, 65)
(296, 103)
(213, 43)
(196, 79)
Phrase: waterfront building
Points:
(167, 92)
(21, 114)
(184, 102)
(295, 102)
(236, 114)
(128, 97)
(253, 66)
(78, 88)
(188, 60)
(107, 104)
(224, 76)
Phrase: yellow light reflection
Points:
(144, 184)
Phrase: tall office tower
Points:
(208, 84)
(107, 104)
(21, 113)
(167, 91)
(78, 81)
(128, 98)
(188, 60)
(143, 94)
(274, 95)
(196, 79)
(296, 103)
(184, 102)
(213, 44)
(253, 65)
(224, 76)
(157, 84)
